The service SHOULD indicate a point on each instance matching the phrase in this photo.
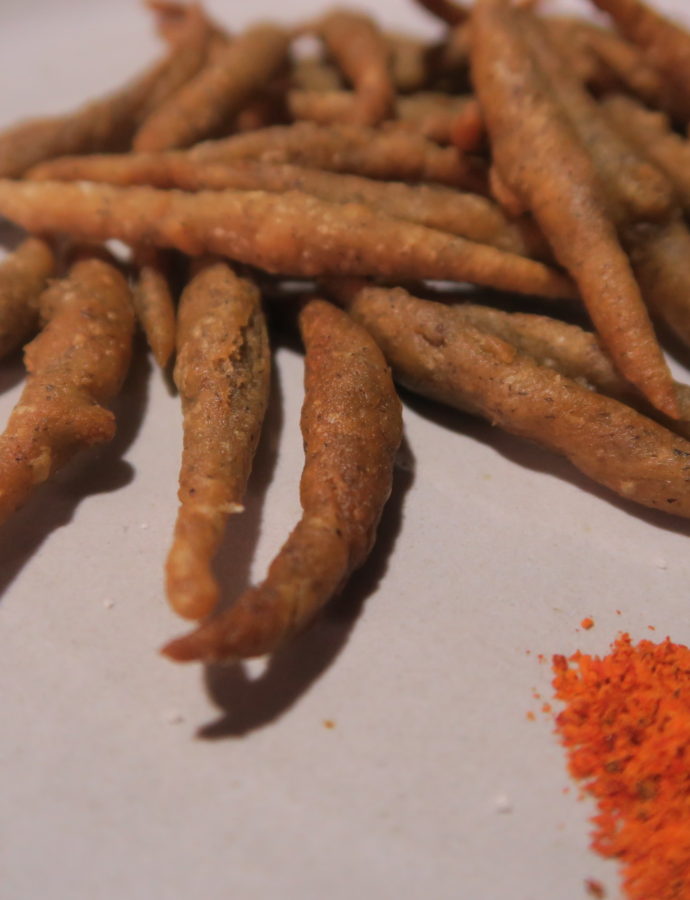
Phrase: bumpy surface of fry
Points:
(666, 45)
(153, 302)
(23, 276)
(219, 90)
(352, 427)
(559, 183)
(223, 374)
(291, 233)
(434, 352)
(77, 363)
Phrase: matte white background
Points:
(123, 775)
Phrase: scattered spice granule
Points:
(541, 658)
(530, 716)
(594, 888)
(651, 628)
(626, 727)
(546, 708)
(587, 623)
(328, 723)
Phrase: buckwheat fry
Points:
(408, 62)
(386, 155)
(23, 276)
(666, 45)
(291, 233)
(558, 182)
(434, 352)
(107, 123)
(352, 427)
(222, 373)
(468, 215)
(153, 302)
(76, 363)
(220, 89)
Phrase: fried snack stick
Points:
(23, 276)
(408, 62)
(373, 153)
(359, 48)
(352, 427)
(560, 185)
(446, 10)
(107, 123)
(291, 233)
(652, 134)
(77, 363)
(665, 44)
(435, 353)
(468, 215)
(153, 302)
(311, 73)
(222, 373)
(220, 89)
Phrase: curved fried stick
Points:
(435, 353)
(222, 373)
(291, 233)
(373, 153)
(352, 427)
(153, 302)
(23, 276)
(107, 123)
(217, 91)
(408, 62)
(75, 364)
(666, 45)
(559, 184)
(360, 49)
(468, 215)
(311, 73)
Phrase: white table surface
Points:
(123, 775)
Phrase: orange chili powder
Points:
(626, 726)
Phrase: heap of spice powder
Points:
(626, 727)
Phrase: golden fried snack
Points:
(651, 132)
(220, 89)
(666, 45)
(311, 73)
(153, 302)
(352, 427)
(435, 353)
(559, 183)
(222, 373)
(374, 153)
(109, 122)
(291, 233)
(468, 215)
(446, 10)
(409, 64)
(77, 363)
(467, 131)
(23, 276)
(359, 48)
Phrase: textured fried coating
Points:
(352, 427)
(559, 183)
(408, 62)
(222, 373)
(359, 48)
(23, 276)
(107, 123)
(665, 44)
(219, 89)
(468, 215)
(291, 233)
(373, 153)
(75, 364)
(153, 302)
(311, 73)
(434, 352)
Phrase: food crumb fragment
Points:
(108, 603)
(587, 623)
(594, 888)
(328, 723)
(502, 804)
(530, 716)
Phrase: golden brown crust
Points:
(434, 352)
(220, 89)
(153, 302)
(352, 427)
(23, 276)
(222, 373)
(77, 363)
(559, 183)
(291, 233)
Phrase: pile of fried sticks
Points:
(526, 154)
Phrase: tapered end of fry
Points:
(192, 647)
(192, 590)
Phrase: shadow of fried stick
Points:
(98, 471)
(249, 704)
